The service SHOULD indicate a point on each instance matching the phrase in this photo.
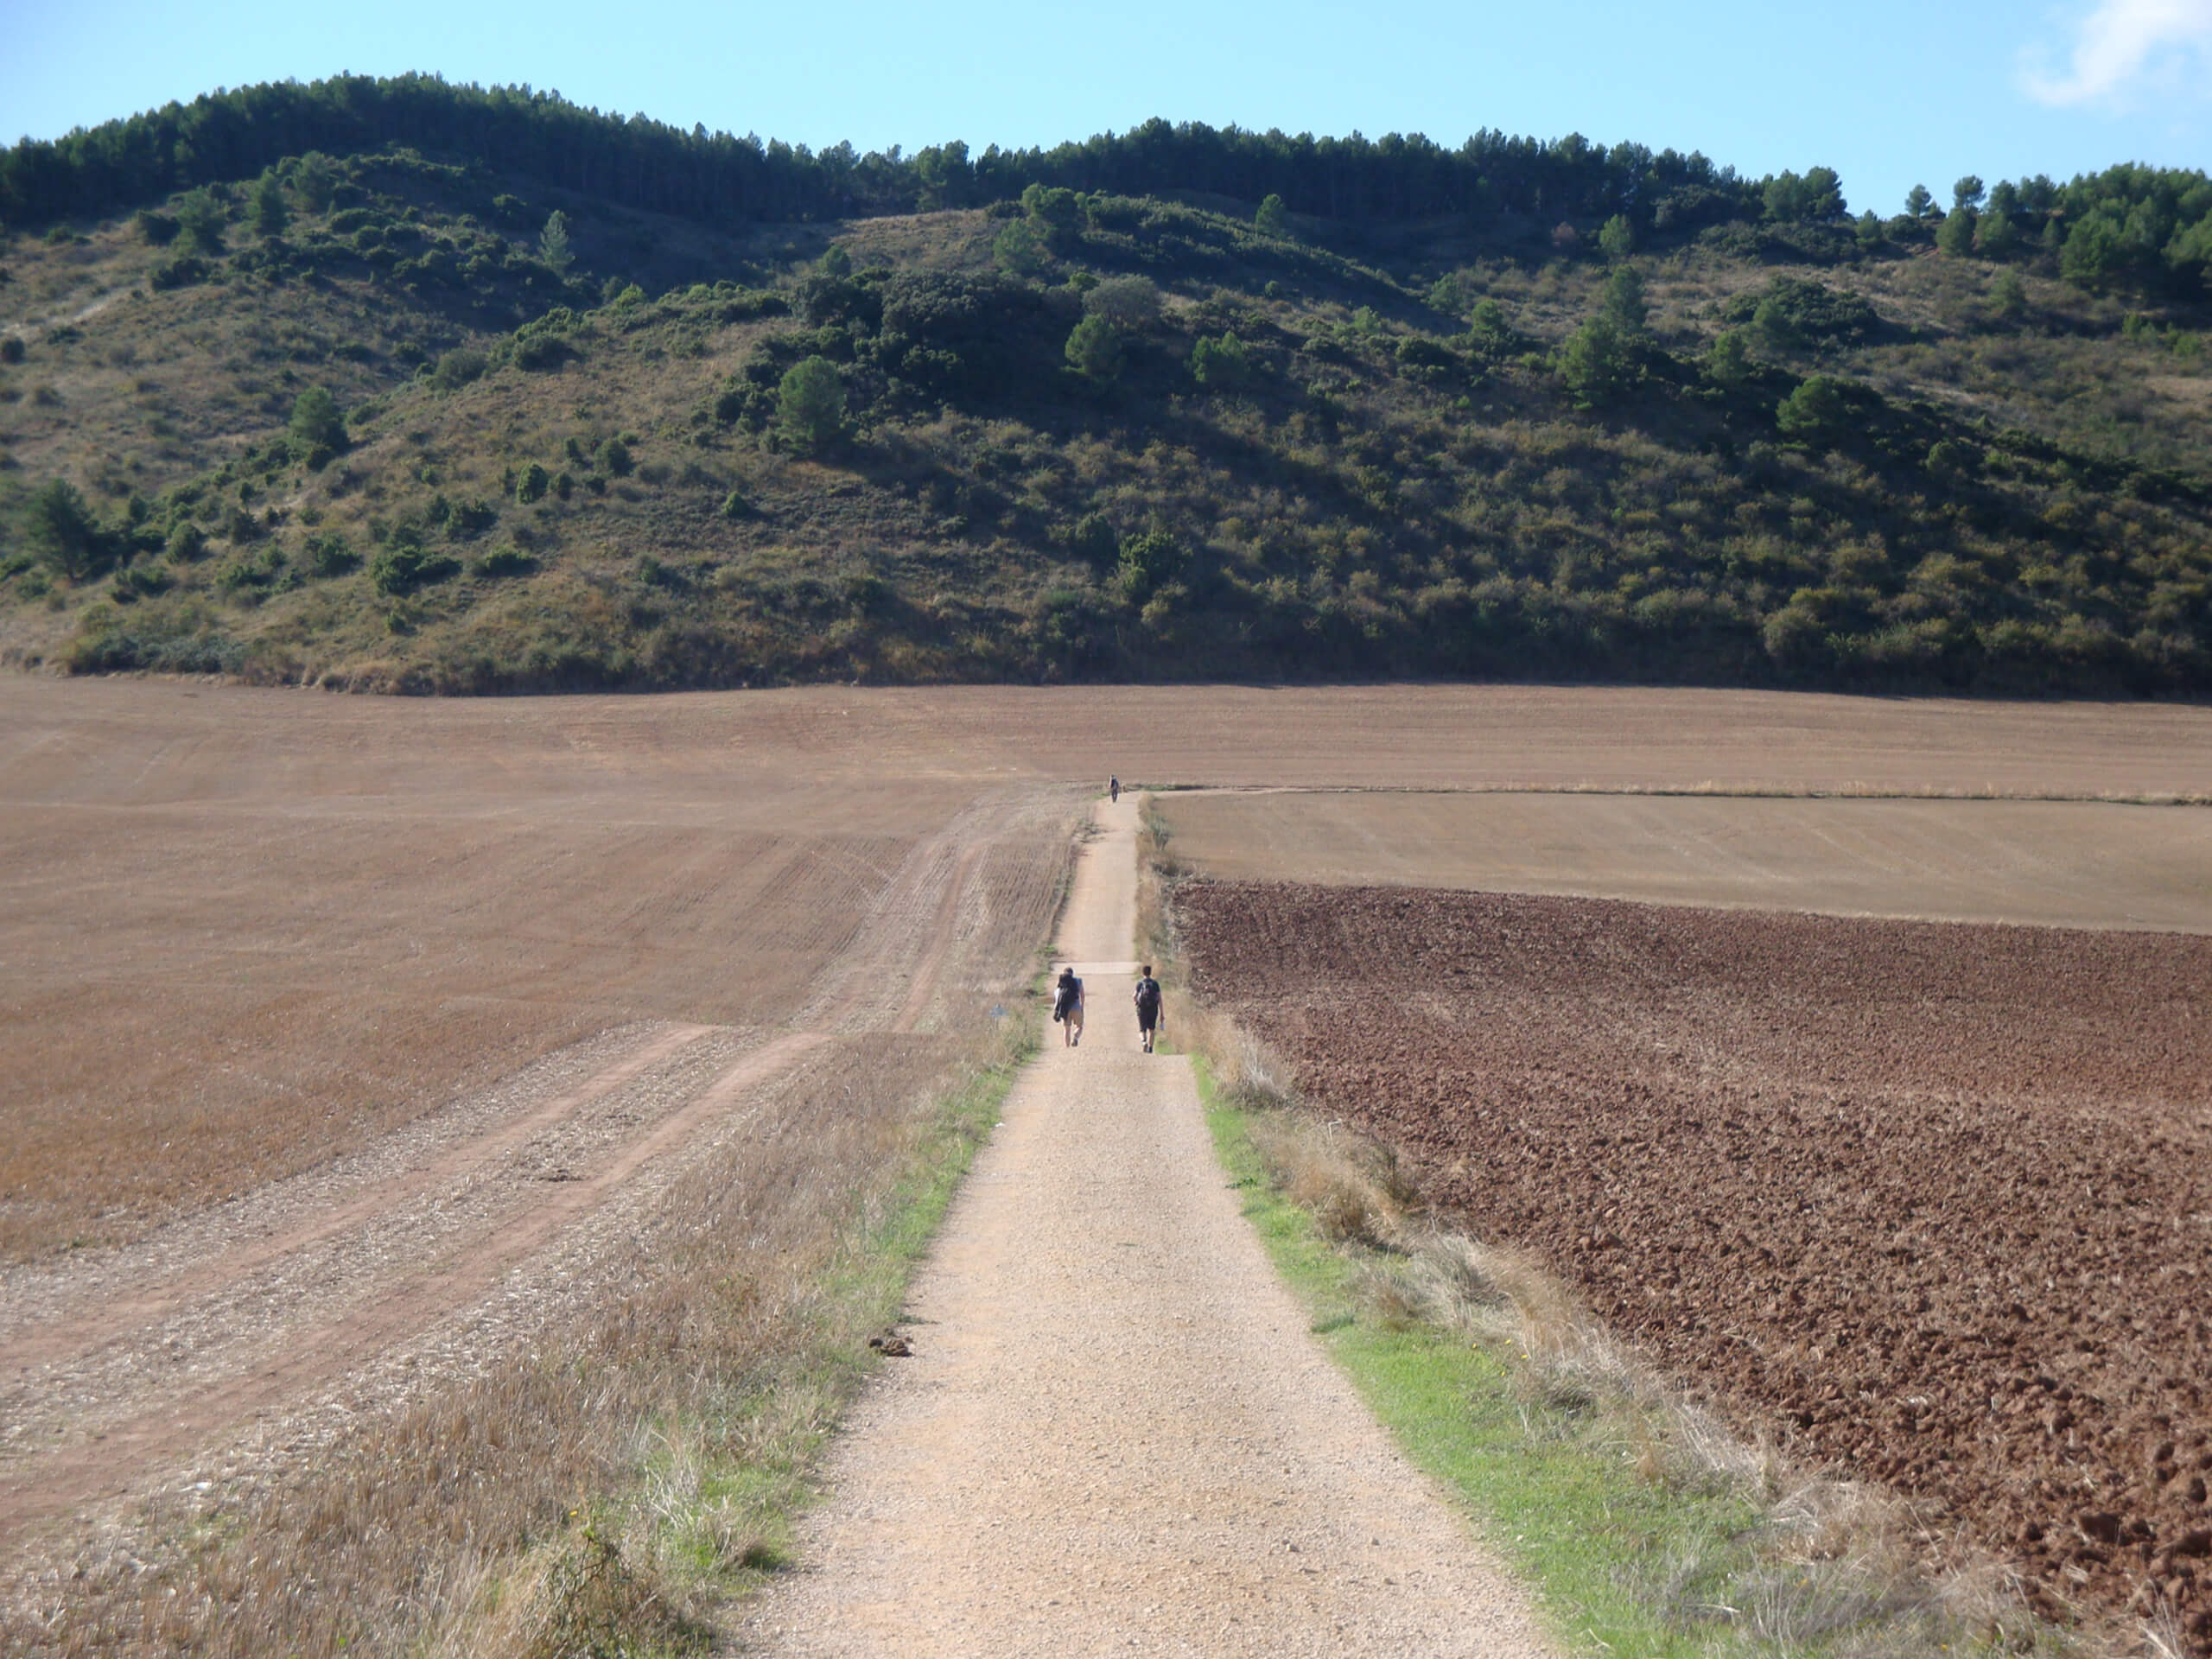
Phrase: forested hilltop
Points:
(403, 385)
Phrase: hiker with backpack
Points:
(1067, 1007)
(1148, 1001)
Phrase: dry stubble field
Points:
(2065, 863)
(306, 1000)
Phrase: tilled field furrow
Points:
(1932, 1202)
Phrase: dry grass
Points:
(617, 1482)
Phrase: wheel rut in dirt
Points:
(1115, 1431)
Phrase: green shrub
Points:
(1490, 334)
(1427, 358)
(252, 573)
(60, 527)
(180, 271)
(501, 562)
(1802, 314)
(1728, 362)
(457, 367)
(402, 567)
(202, 219)
(1148, 562)
(1814, 412)
(1092, 537)
(168, 640)
(1598, 365)
(316, 429)
(1018, 249)
(329, 555)
(466, 520)
(531, 483)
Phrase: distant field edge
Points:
(1707, 791)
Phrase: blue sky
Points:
(1886, 92)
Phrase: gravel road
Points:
(1115, 1431)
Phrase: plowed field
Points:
(1933, 1200)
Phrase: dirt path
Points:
(1116, 1432)
(123, 1364)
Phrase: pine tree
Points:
(202, 220)
(1094, 349)
(553, 244)
(1955, 236)
(266, 207)
(810, 404)
(1813, 413)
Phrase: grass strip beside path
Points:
(1625, 1552)
(654, 1568)
(1574, 1520)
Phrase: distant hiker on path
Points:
(1148, 1001)
(1114, 790)
(1067, 1007)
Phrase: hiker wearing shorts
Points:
(1148, 1001)
(1067, 1007)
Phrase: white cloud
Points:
(2126, 47)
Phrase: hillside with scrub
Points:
(403, 386)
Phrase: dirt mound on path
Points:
(1935, 1200)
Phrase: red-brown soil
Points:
(1932, 1200)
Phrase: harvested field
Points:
(1932, 1201)
(2069, 863)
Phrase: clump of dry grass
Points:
(1354, 1187)
(579, 1595)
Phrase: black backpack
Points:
(1149, 994)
